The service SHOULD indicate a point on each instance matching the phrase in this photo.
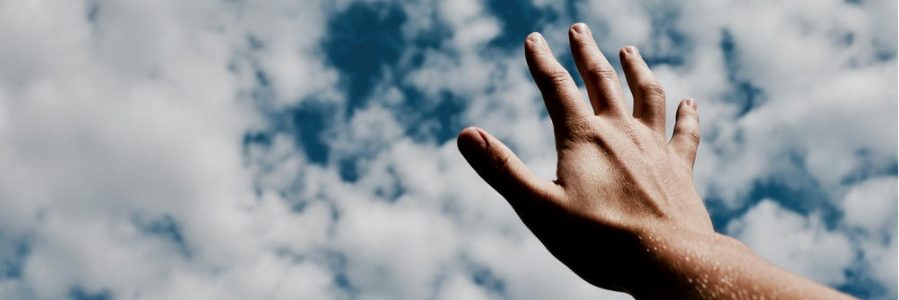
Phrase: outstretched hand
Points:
(618, 178)
(623, 212)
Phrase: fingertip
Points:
(471, 138)
(579, 28)
(534, 44)
(628, 50)
(534, 39)
(689, 103)
(469, 131)
(580, 36)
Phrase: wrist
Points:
(708, 265)
(681, 261)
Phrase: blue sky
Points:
(305, 149)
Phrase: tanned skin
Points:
(623, 213)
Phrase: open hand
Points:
(619, 179)
(623, 212)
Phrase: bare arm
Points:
(623, 212)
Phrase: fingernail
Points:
(473, 141)
(630, 50)
(482, 138)
(535, 38)
(579, 28)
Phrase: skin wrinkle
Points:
(599, 76)
(623, 213)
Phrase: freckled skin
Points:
(623, 213)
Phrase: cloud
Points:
(868, 215)
(869, 205)
(128, 115)
(238, 150)
(863, 241)
(799, 243)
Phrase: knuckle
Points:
(688, 131)
(601, 71)
(556, 76)
(692, 136)
(579, 129)
(501, 162)
(653, 90)
(695, 136)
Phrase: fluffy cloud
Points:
(219, 150)
(869, 215)
(123, 171)
(799, 243)
(865, 239)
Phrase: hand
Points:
(623, 212)
(618, 177)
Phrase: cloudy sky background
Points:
(305, 149)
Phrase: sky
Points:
(305, 149)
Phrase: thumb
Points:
(504, 171)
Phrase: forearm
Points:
(713, 266)
(623, 212)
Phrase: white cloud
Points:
(618, 23)
(805, 245)
(871, 204)
(870, 211)
(798, 243)
(134, 116)
(460, 287)
(140, 115)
